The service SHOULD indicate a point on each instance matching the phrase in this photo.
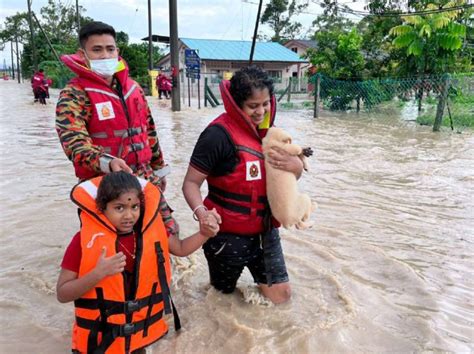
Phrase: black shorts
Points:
(228, 254)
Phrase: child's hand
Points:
(209, 225)
(110, 265)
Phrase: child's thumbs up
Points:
(104, 252)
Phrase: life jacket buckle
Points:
(131, 307)
(127, 329)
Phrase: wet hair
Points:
(246, 80)
(94, 28)
(113, 185)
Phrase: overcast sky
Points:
(206, 19)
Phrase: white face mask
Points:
(103, 67)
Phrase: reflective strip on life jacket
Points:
(107, 93)
(127, 95)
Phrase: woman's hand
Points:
(209, 222)
(282, 160)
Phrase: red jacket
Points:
(241, 197)
(119, 121)
(37, 80)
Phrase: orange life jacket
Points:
(107, 322)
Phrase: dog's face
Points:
(278, 134)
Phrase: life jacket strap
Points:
(112, 331)
(234, 207)
(148, 312)
(165, 290)
(229, 195)
(118, 307)
(236, 196)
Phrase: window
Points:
(275, 75)
(294, 49)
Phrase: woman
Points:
(228, 155)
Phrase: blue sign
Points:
(192, 60)
(193, 74)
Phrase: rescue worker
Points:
(102, 117)
(163, 84)
(228, 155)
(117, 268)
(37, 83)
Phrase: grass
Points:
(462, 112)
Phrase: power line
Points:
(404, 14)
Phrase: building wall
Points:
(215, 70)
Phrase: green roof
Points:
(213, 49)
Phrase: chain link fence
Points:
(441, 100)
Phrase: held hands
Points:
(109, 265)
(119, 165)
(209, 221)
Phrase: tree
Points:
(433, 40)
(15, 27)
(136, 56)
(278, 15)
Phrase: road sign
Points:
(191, 59)
(193, 74)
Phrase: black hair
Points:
(113, 185)
(93, 28)
(246, 80)
(41, 70)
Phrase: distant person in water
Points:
(163, 84)
(37, 85)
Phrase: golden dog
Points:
(288, 206)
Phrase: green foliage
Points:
(287, 105)
(278, 15)
(339, 53)
(136, 56)
(58, 73)
(433, 40)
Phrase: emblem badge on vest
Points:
(253, 170)
(105, 110)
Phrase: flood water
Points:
(387, 267)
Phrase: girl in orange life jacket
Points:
(111, 264)
(228, 155)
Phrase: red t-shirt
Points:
(72, 256)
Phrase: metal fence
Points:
(446, 100)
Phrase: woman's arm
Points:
(209, 227)
(192, 192)
(282, 160)
(69, 287)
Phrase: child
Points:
(117, 268)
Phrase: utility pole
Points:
(78, 17)
(32, 37)
(47, 39)
(150, 39)
(255, 32)
(13, 63)
(18, 61)
(174, 51)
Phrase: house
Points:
(300, 46)
(220, 58)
